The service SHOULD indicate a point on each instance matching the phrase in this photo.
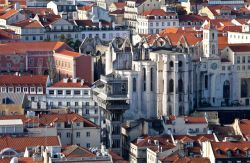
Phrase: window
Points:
(134, 84)
(78, 134)
(171, 86)
(243, 59)
(88, 134)
(59, 134)
(68, 135)
(18, 89)
(86, 92)
(87, 111)
(77, 92)
(59, 92)
(76, 104)
(144, 79)
(78, 124)
(68, 92)
(152, 78)
(40, 89)
(59, 103)
(51, 92)
(180, 85)
(238, 59)
(68, 103)
(96, 111)
(87, 103)
(171, 64)
(248, 59)
(32, 90)
(58, 125)
(206, 82)
(88, 145)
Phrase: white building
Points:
(73, 129)
(153, 21)
(182, 125)
(135, 8)
(13, 126)
(75, 95)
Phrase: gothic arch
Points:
(171, 86)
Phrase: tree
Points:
(77, 45)
(180, 10)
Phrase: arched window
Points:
(244, 88)
(180, 85)
(171, 85)
(151, 78)
(171, 64)
(226, 89)
(180, 64)
(134, 84)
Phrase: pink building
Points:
(44, 58)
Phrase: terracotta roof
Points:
(73, 151)
(6, 34)
(175, 158)
(28, 23)
(86, 8)
(116, 158)
(24, 118)
(24, 47)
(192, 18)
(48, 119)
(8, 14)
(90, 23)
(20, 143)
(39, 11)
(245, 127)
(148, 141)
(214, 9)
(119, 5)
(157, 12)
(192, 138)
(220, 148)
(69, 53)
(48, 19)
(239, 47)
(222, 42)
(118, 11)
(187, 119)
(70, 84)
(14, 80)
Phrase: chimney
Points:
(82, 82)
(65, 80)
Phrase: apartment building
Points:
(75, 95)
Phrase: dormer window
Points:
(229, 153)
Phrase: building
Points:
(226, 151)
(185, 125)
(73, 129)
(34, 86)
(217, 12)
(13, 103)
(17, 146)
(155, 20)
(135, 8)
(13, 126)
(148, 148)
(75, 95)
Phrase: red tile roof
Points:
(20, 143)
(86, 8)
(70, 84)
(15, 80)
(39, 11)
(24, 47)
(73, 151)
(28, 23)
(120, 5)
(214, 9)
(25, 119)
(8, 14)
(187, 119)
(220, 148)
(192, 138)
(157, 12)
(148, 141)
(192, 18)
(117, 12)
(175, 158)
(48, 119)
(69, 53)
(239, 47)
(245, 127)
